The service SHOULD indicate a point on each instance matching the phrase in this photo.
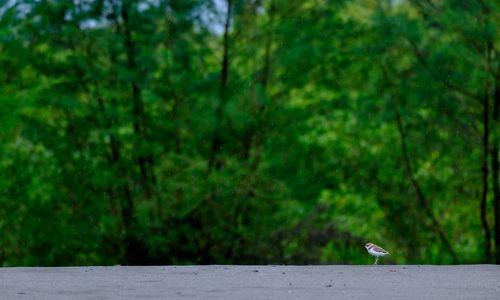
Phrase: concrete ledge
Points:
(252, 282)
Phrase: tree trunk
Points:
(217, 142)
(484, 197)
(127, 206)
(144, 161)
(254, 136)
(495, 164)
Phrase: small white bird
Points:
(375, 251)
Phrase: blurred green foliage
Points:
(148, 132)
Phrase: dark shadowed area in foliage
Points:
(249, 131)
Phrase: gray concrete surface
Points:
(252, 282)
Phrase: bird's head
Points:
(367, 245)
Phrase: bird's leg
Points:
(376, 260)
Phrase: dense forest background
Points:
(249, 131)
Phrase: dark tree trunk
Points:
(495, 165)
(489, 50)
(253, 138)
(267, 55)
(484, 196)
(144, 161)
(216, 145)
(214, 162)
(127, 206)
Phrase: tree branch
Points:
(421, 198)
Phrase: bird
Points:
(376, 251)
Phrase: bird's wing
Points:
(379, 249)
